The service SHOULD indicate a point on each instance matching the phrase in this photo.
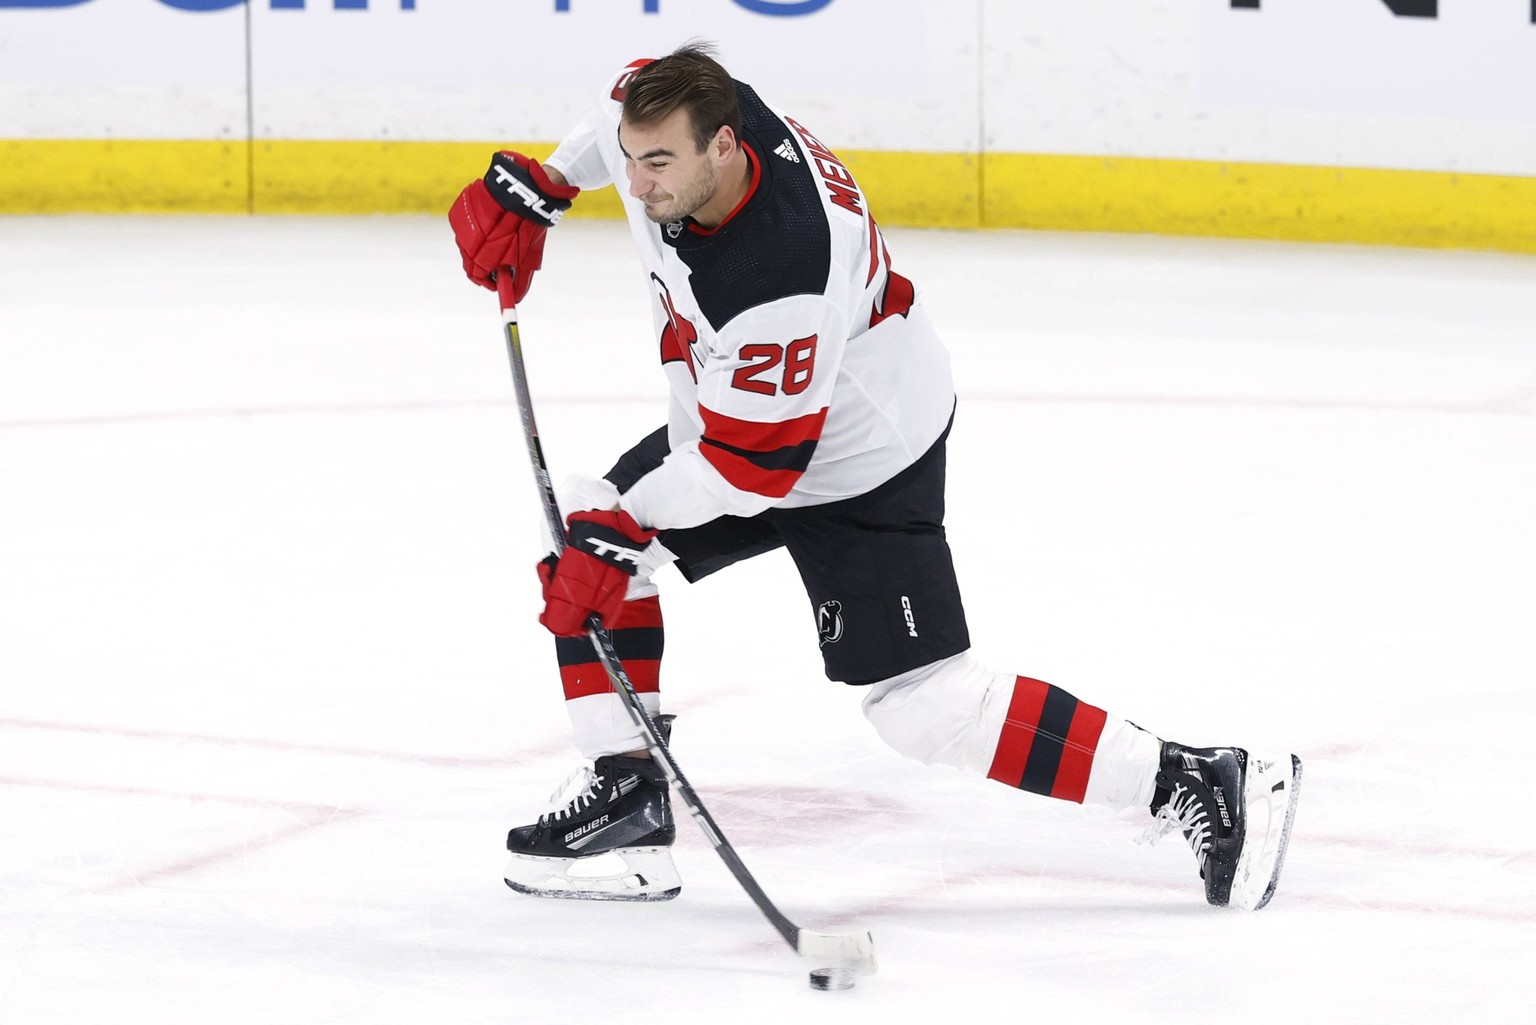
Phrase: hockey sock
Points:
(600, 721)
(637, 639)
(1053, 744)
(1020, 731)
(1048, 741)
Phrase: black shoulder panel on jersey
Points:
(778, 244)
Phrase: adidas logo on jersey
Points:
(786, 149)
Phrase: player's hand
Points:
(500, 220)
(603, 551)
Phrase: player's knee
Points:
(935, 713)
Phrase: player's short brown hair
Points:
(691, 78)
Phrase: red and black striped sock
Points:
(637, 640)
(1048, 741)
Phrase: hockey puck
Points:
(832, 978)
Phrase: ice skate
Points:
(1236, 812)
(610, 841)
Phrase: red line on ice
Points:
(298, 807)
(269, 745)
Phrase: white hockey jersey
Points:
(803, 369)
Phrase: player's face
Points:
(667, 170)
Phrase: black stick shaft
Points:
(603, 643)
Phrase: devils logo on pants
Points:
(829, 622)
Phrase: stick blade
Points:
(854, 950)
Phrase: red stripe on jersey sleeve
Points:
(621, 87)
(756, 436)
(744, 475)
(762, 458)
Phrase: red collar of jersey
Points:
(757, 176)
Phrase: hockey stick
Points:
(854, 950)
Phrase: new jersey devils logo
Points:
(679, 338)
(829, 622)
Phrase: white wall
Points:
(897, 74)
(121, 69)
(876, 72)
(1332, 82)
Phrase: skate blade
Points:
(1258, 877)
(627, 873)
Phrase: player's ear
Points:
(723, 146)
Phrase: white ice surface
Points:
(271, 688)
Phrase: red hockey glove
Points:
(500, 220)
(602, 553)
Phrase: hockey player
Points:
(811, 401)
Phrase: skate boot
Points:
(610, 841)
(1236, 812)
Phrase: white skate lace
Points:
(574, 795)
(1186, 812)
